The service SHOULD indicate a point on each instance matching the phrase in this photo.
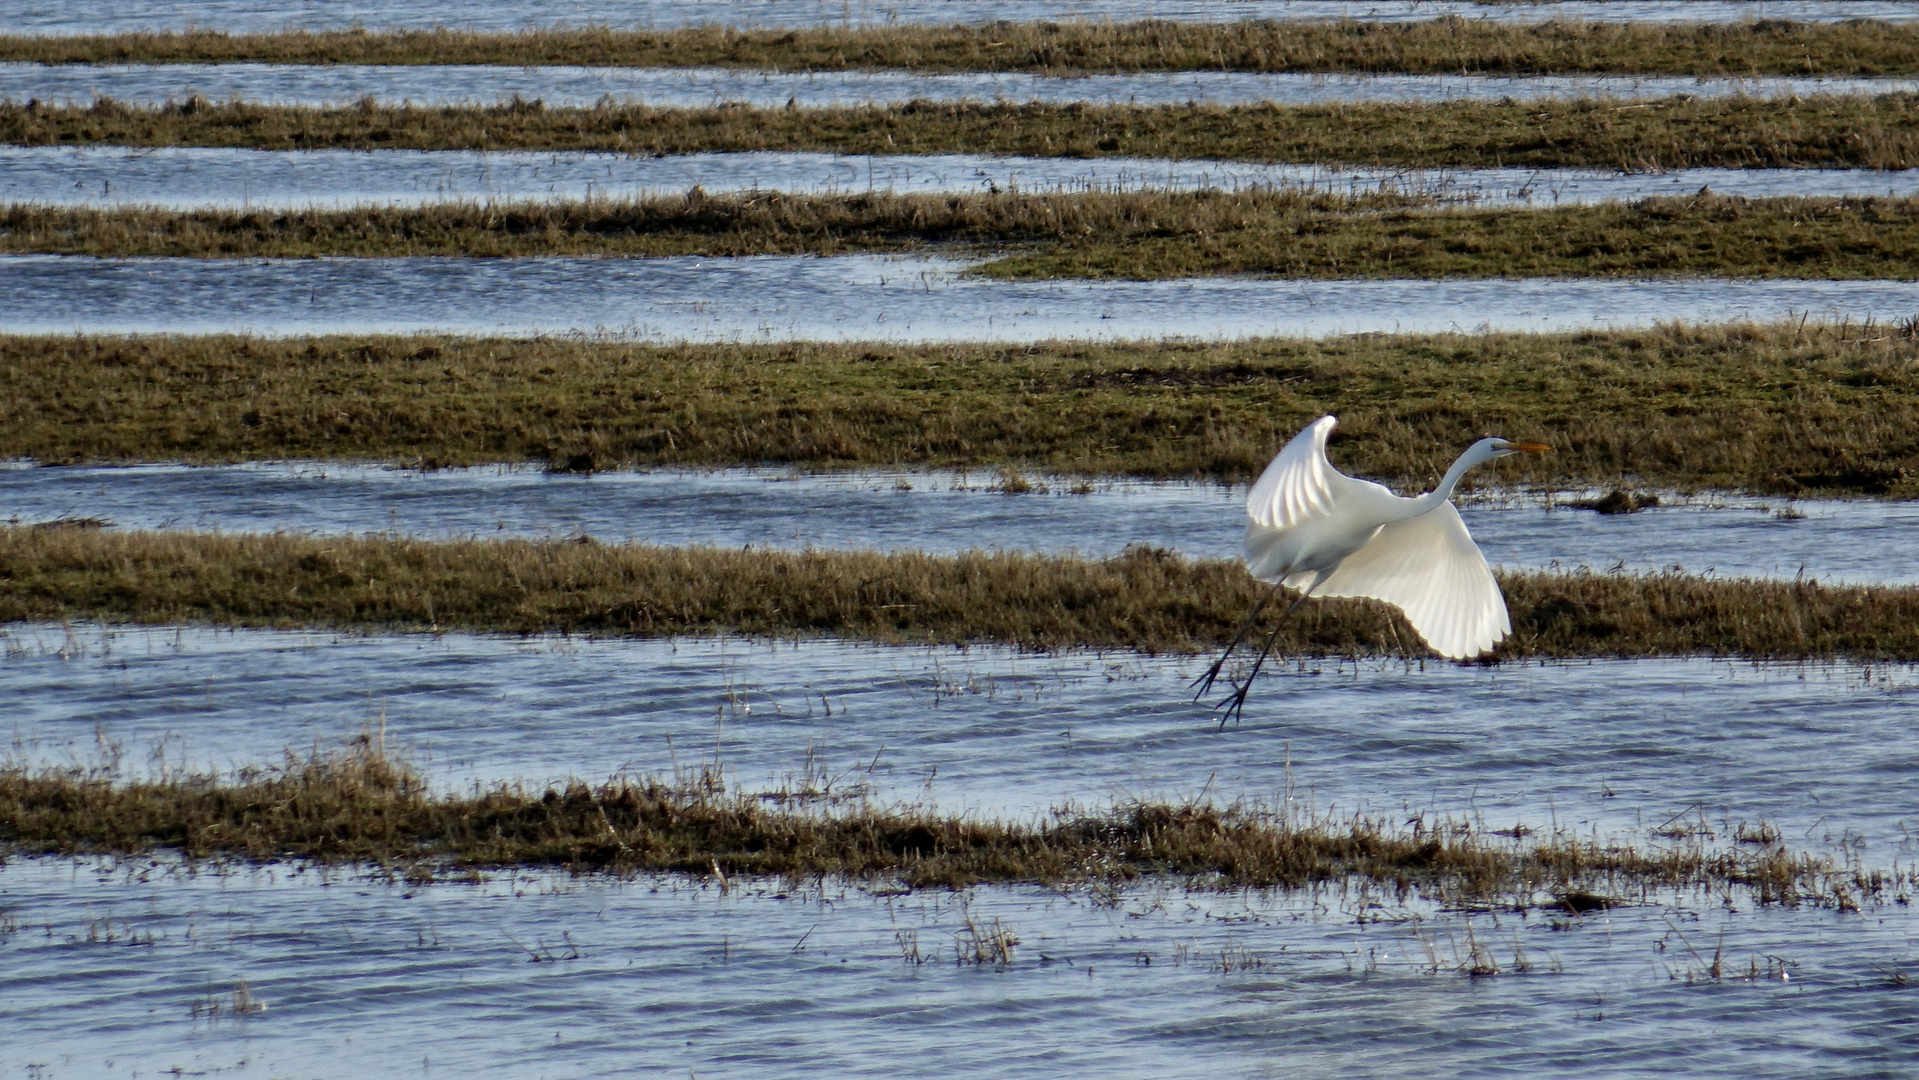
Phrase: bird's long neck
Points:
(1447, 483)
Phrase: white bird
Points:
(1312, 528)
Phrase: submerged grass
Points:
(1438, 47)
(1774, 409)
(1874, 132)
(1142, 600)
(1132, 235)
(361, 806)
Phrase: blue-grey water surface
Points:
(251, 16)
(182, 177)
(1825, 752)
(558, 86)
(850, 298)
(1866, 542)
(535, 974)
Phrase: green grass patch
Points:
(1137, 235)
(1438, 47)
(1773, 409)
(1682, 132)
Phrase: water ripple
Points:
(1860, 541)
(559, 86)
(850, 298)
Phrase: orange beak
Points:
(1532, 447)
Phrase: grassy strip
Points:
(1143, 600)
(1439, 47)
(1779, 409)
(1138, 235)
(362, 807)
(1682, 132)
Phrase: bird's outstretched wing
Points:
(1299, 483)
(1429, 568)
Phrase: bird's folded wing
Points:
(1299, 482)
(1429, 568)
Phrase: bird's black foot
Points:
(1233, 704)
(1204, 684)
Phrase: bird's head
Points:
(1505, 447)
(1499, 448)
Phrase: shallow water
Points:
(181, 177)
(1825, 752)
(105, 16)
(1835, 541)
(658, 977)
(294, 84)
(852, 298)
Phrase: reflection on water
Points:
(670, 978)
(291, 84)
(1833, 541)
(1823, 752)
(852, 298)
(195, 176)
(106, 16)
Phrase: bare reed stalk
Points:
(1440, 47)
(1779, 409)
(360, 806)
(1679, 132)
(1143, 600)
(1136, 235)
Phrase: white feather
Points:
(1314, 528)
(1298, 483)
(1429, 568)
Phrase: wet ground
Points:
(530, 971)
(1829, 540)
(250, 16)
(1823, 752)
(183, 177)
(293, 84)
(851, 298)
(148, 966)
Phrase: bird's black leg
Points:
(1231, 705)
(1205, 682)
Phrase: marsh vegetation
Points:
(1136, 235)
(1442, 46)
(1670, 133)
(363, 806)
(1143, 599)
(1793, 409)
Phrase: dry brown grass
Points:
(362, 807)
(1777, 409)
(1138, 235)
(1143, 600)
(1682, 132)
(1441, 46)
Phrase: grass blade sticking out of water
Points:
(1139, 235)
(1142, 600)
(1778, 409)
(1440, 47)
(363, 807)
(1672, 133)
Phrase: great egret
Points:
(1313, 528)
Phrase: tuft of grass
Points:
(1798, 410)
(1671, 133)
(1145, 599)
(1440, 47)
(1139, 235)
(362, 806)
